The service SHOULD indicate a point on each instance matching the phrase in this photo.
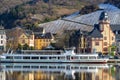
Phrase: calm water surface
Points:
(42, 71)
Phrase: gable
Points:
(23, 36)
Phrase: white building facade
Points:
(2, 39)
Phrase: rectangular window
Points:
(112, 38)
(35, 57)
(17, 57)
(43, 57)
(26, 57)
(23, 41)
(44, 67)
(26, 66)
(105, 43)
(9, 57)
(52, 57)
(1, 41)
(74, 57)
(92, 57)
(84, 57)
(97, 43)
(105, 49)
(105, 38)
(1, 37)
(34, 66)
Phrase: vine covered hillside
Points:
(7, 4)
(29, 13)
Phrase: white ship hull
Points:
(23, 58)
(66, 57)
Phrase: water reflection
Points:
(42, 71)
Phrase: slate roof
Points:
(117, 36)
(44, 36)
(38, 30)
(2, 30)
(58, 26)
(115, 27)
(95, 33)
(90, 19)
(28, 33)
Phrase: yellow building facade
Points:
(102, 36)
(27, 37)
(23, 39)
(42, 41)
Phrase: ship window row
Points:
(52, 67)
(42, 67)
(76, 67)
(83, 67)
(92, 67)
(83, 57)
(54, 57)
(27, 57)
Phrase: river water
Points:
(48, 71)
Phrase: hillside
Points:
(83, 22)
(7, 4)
(29, 13)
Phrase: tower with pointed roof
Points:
(103, 21)
(102, 36)
(106, 31)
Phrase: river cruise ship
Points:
(69, 56)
